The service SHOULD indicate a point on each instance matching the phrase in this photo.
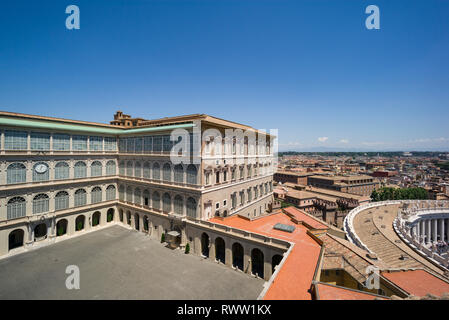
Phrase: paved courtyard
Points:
(116, 263)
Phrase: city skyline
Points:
(311, 70)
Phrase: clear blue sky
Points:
(308, 68)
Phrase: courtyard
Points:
(117, 263)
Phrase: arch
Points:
(237, 256)
(80, 197)
(41, 203)
(41, 176)
(129, 168)
(128, 217)
(178, 205)
(205, 245)
(40, 232)
(137, 221)
(166, 172)
(16, 173)
(137, 170)
(166, 202)
(79, 222)
(275, 260)
(137, 196)
(110, 168)
(257, 262)
(146, 170)
(15, 239)
(121, 215)
(110, 192)
(61, 170)
(80, 169)
(16, 208)
(96, 195)
(61, 227)
(191, 207)
(96, 169)
(110, 215)
(192, 174)
(220, 250)
(129, 194)
(121, 193)
(61, 200)
(121, 168)
(145, 223)
(156, 201)
(96, 218)
(156, 171)
(146, 197)
(179, 173)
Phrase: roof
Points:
(302, 217)
(326, 291)
(417, 282)
(295, 277)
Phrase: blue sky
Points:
(307, 68)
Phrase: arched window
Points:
(121, 168)
(156, 201)
(178, 205)
(137, 170)
(146, 197)
(61, 170)
(179, 173)
(62, 200)
(40, 172)
(110, 192)
(129, 194)
(96, 195)
(16, 173)
(95, 169)
(191, 207)
(191, 174)
(16, 208)
(41, 203)
(80, 197)
(110, 168)
(80, 170)
(166, 172)
(146, 170)
(129, 169)
(156, 171)
(121, 193)
(137, 199)
(166, 202)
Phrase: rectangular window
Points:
(61, 142)
(40, 141)
(16, 140)
(122, 145)
(167, 144)
(130, 145)
(96, 143)
(79, 143)
(110, 144)
(157, 143)
(147, 144)
(138, 145)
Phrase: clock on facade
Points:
(41, 168)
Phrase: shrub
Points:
(187, 248)
(163, 238)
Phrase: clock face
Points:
(41, 168)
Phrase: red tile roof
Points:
(302, 217)
(417, 282)
(327, 291)
(295, 277)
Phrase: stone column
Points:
(428, 233)
(418, 230)
(447, 229)
(435, 229)
(442, 235)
